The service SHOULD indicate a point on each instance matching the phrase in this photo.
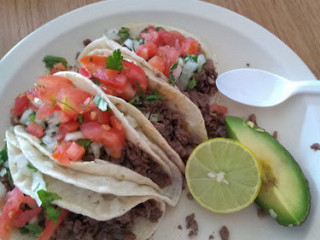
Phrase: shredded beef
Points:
(206, 79)
(136, 159)
(85, 228)
(5, 181)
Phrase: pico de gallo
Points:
(77, 126)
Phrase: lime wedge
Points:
(223, 175)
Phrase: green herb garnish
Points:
(171, 77)
(192, 83)
(50, 61)
(84, 142)
(153, 96)
(101, 104)
(32, 117)
(124, 33)
(46, 199)
(158, 28)
(30, 166)
(190, 57)
(141, 40)
(32, 229)
(3, 155)
(80, 119)
(115, 61)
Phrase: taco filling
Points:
(134, 89)
(21, 212)
(76, 126)
(182, 60)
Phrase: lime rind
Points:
(223, 186)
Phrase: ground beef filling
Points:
(139, 161)
(171, 126)
(85, 228)
(200, 95)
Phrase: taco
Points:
(38, 206)
(177, 119)
(73, 123)
(175, 57)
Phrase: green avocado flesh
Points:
(284, 191)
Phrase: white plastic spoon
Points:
(260, 88)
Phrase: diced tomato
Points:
(60, 153)
(75, 152)
(170, 56)
(97, 115)
(219, 108)
(111, 73)
(147, 50)
(71, 100)
(35, 129)
(45, 110)
(66, 117)
(66, 127)
(49, 86)
(151, 36)
(116, 81)
(99, 61)
(23, 217)
(57, 68)
(12, 215)
(158, 63)
(84, 71)
(51, 226)
(111, 138)
(190, 46)
(128, 92)
(171, 38)
(135, 74)
(21, 103)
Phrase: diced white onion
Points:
(53, 119)
(155, 117)
(2, 192)
(94, 148)
(49, 141)
(177, 72)
(73, 136)
(131, 44)
(112, 34)
(25, 116)
(37, 102)
(201, 60)
(187, 73)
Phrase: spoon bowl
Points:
(261, 88)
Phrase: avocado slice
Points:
(284, 191)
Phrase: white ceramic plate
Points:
(235, 41)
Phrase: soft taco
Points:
(176, 118)
(72, 122)
(37, 206)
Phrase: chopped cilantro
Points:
(171, 77)
(80, 119)
(30, 166)
(50, 61)
(101, 104)
(115, 61)
(124, 33)
(158, 28)
(192, 83)
(42, 143)
(32, 117)
(190, 57)
(141, 40)
(32, 229)
(3, 155)
(135, 101)
(153, 96)
(46, 199)
(84, 142)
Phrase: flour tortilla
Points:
(102, 168)
(101, 207)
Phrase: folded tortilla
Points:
(95, 205)
(171, 193)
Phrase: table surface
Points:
(295, 22)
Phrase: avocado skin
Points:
(284, 193)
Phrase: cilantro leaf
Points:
(80, 119)
(84, 142)
(158, 28)
(32, 117)
(124, 33)
(190, 57)
(32, 229)
(47, 198)
(115, 61)
(50, 61)
(3, 155)
(192, 83)
(30, 166)
(101, 104)
(153, 96)
(171, 77)
(135, 101)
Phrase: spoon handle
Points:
(311, 87)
